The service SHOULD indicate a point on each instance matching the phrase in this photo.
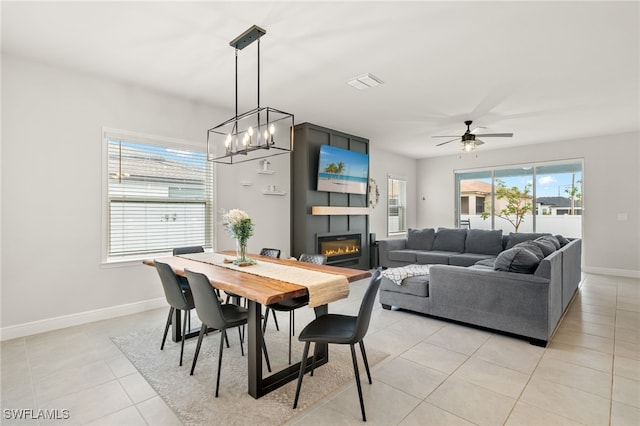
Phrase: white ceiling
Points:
(546, 71)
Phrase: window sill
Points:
(131, 260)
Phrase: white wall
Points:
(383, 163)
(271, 214)
(611, 186)
(51, 188)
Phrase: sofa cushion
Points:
(545, 245)
(468, 259)
(415, 286)
(562, 240)
(483, 241)
(420, 239)
(515, 238)
(534, 248)
(450, 239)
(433, 257)
(478, 267)
(517, 259)
(486, 262)
(403, 255)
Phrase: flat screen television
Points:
(341, 170)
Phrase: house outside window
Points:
(158, 196)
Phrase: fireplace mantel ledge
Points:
(337, 210)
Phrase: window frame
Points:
(534, 166)
(403, 179)
(148, 139)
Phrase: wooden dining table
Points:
(260, 291)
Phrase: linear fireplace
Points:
(340, 247)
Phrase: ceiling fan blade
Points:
(448, 136)
(496, 135)
(442, 143)
(479, 142)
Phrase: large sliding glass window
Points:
(526, 198)
(559, 199)
(396, 205)
(474, 190)
(158, 196)
(513, 199)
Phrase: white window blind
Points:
(159, 197)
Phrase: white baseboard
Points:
(41, 326)
(629, 273)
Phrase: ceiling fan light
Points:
(468, 146)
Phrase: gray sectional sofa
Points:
(518, 283)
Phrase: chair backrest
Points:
(364, 315)
(318, 259)
(172, 290)
(185, 250)
(465, 223)
(271, 252)
(207, 303)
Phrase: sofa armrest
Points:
(385, 246)
(571, 270)
(508, 301)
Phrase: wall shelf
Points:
(265, 172)
(274, 193)
(336, 210)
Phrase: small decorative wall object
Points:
(374, 194)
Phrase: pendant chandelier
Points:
(255, 134)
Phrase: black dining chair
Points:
(178, 298)
(275, 253)
(214, 314)
(290, 305)
(177, 251)
(186, 250)
(342, 330)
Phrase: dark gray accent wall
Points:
(304, 170)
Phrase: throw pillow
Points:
(533, 248)
(517, 259)
(420, 239)
(553, 240)
(562, 240)
(483, 241)
(545, 245)
(515, 238)
(450, 239)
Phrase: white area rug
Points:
(193, 399)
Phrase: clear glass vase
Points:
(241, 251)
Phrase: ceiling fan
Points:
(469, 140)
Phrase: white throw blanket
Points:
(398, 274)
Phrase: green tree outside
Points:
(518, 203)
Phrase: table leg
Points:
(176, 330)
(258, 385)
(254, 352)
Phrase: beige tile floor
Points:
(438, 373)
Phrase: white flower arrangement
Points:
(238, 224)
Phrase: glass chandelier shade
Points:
(468, 146)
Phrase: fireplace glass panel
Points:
(339, 246)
